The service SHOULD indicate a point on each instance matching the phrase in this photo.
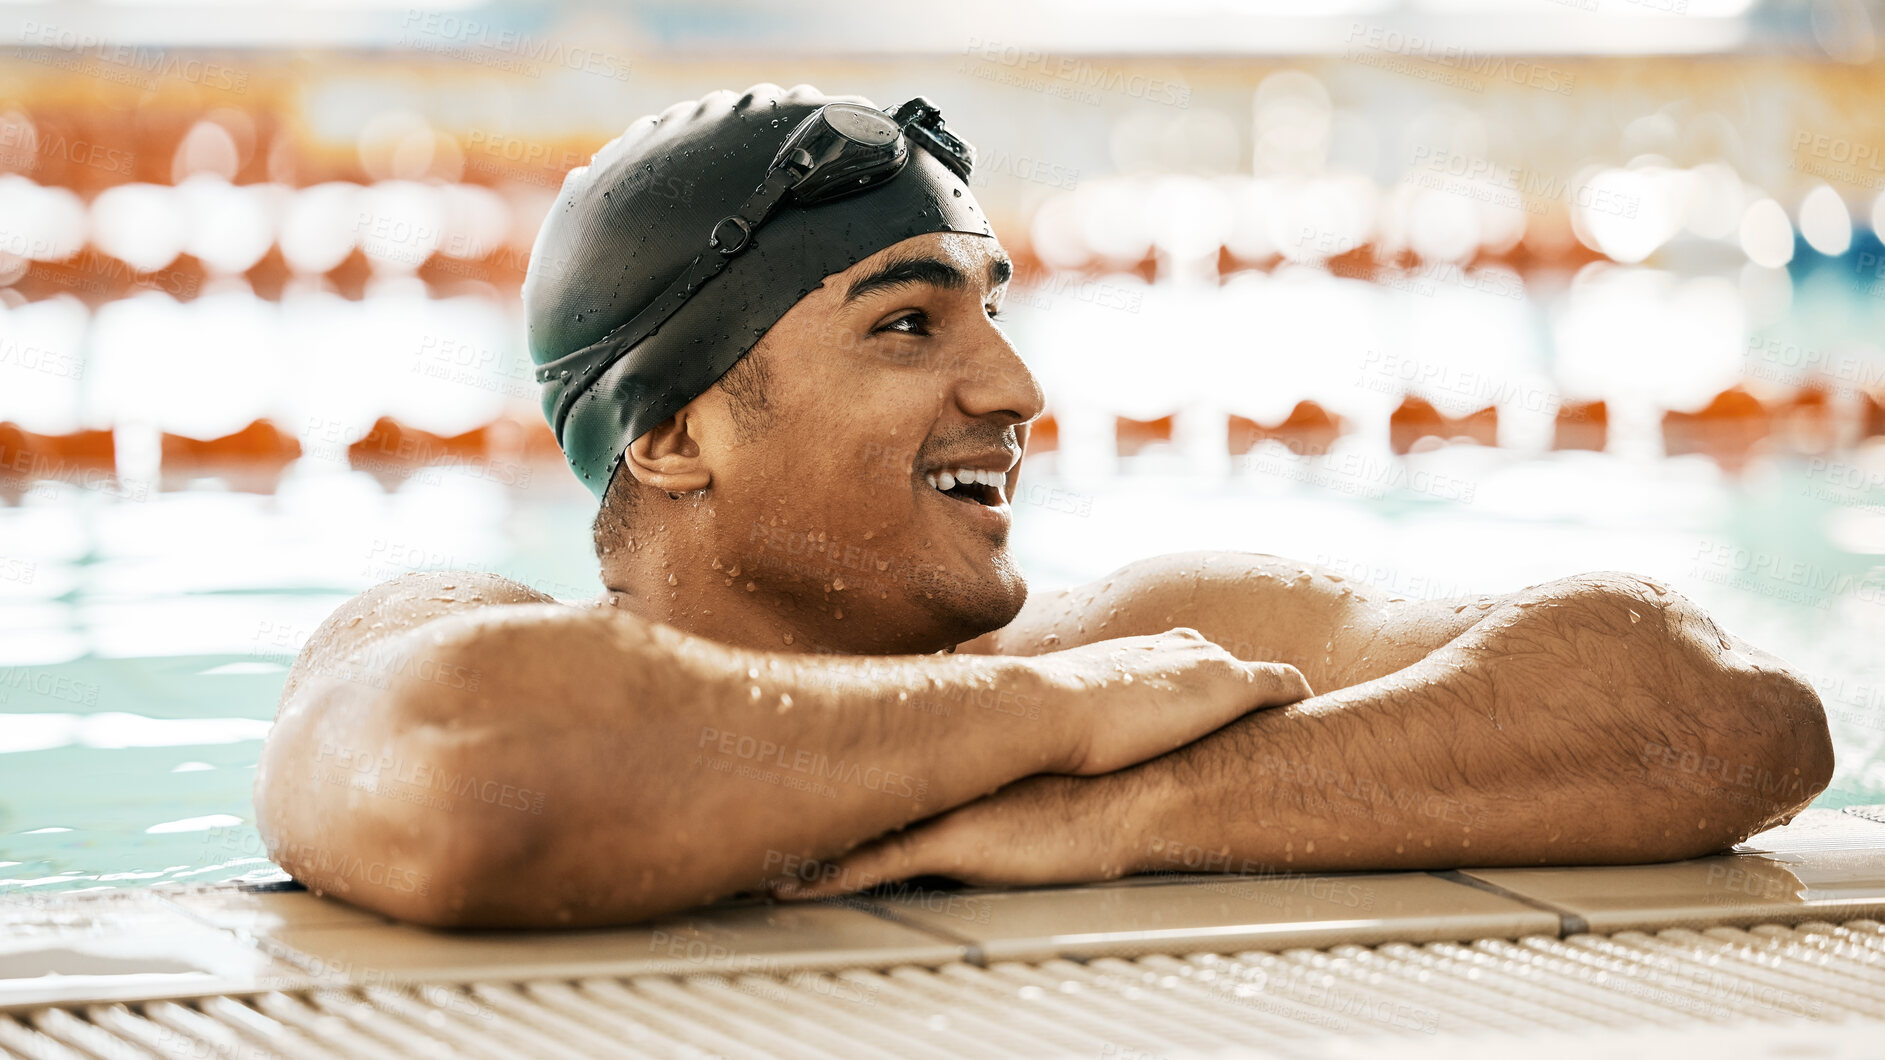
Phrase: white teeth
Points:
(948, 478)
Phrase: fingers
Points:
(1277, 684)
(895, 857)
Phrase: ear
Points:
(669, 457)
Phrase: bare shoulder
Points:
(394, 607)
(1221, 594)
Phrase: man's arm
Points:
(452, 750)
(1593, 719)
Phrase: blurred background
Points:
(1453, 296)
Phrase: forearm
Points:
(632, 769)
(1563, 728)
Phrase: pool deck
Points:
(236, 939)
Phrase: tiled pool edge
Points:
(1827, 867)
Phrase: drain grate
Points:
(1284, 1003)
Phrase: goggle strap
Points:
(585, 365)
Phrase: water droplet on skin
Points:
(1634, 617)
(755, 693)
(672, 580)
(752, 673)
(785, 702)
(750, 587)
(788, 638)
(356, 621)
(837, 585)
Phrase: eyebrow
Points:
(935, 272)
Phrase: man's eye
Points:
(916, 323)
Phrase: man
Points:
(766, 328)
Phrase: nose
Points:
(995, 382)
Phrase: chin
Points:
(966, 608)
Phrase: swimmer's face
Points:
(876, 384)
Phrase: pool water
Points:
(143, 643)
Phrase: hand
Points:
(1039, 830)
(1135, 698)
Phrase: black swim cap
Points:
(628, 224)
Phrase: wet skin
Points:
(752, 703)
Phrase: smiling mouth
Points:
(970, 485)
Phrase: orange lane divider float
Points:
(509, 450)
(88, 458)
(1417, 419)
(1134, 436)
(1581, 425)
(252, 459)
(1308, 430)
(1725, 430)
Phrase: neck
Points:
(721, 599)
